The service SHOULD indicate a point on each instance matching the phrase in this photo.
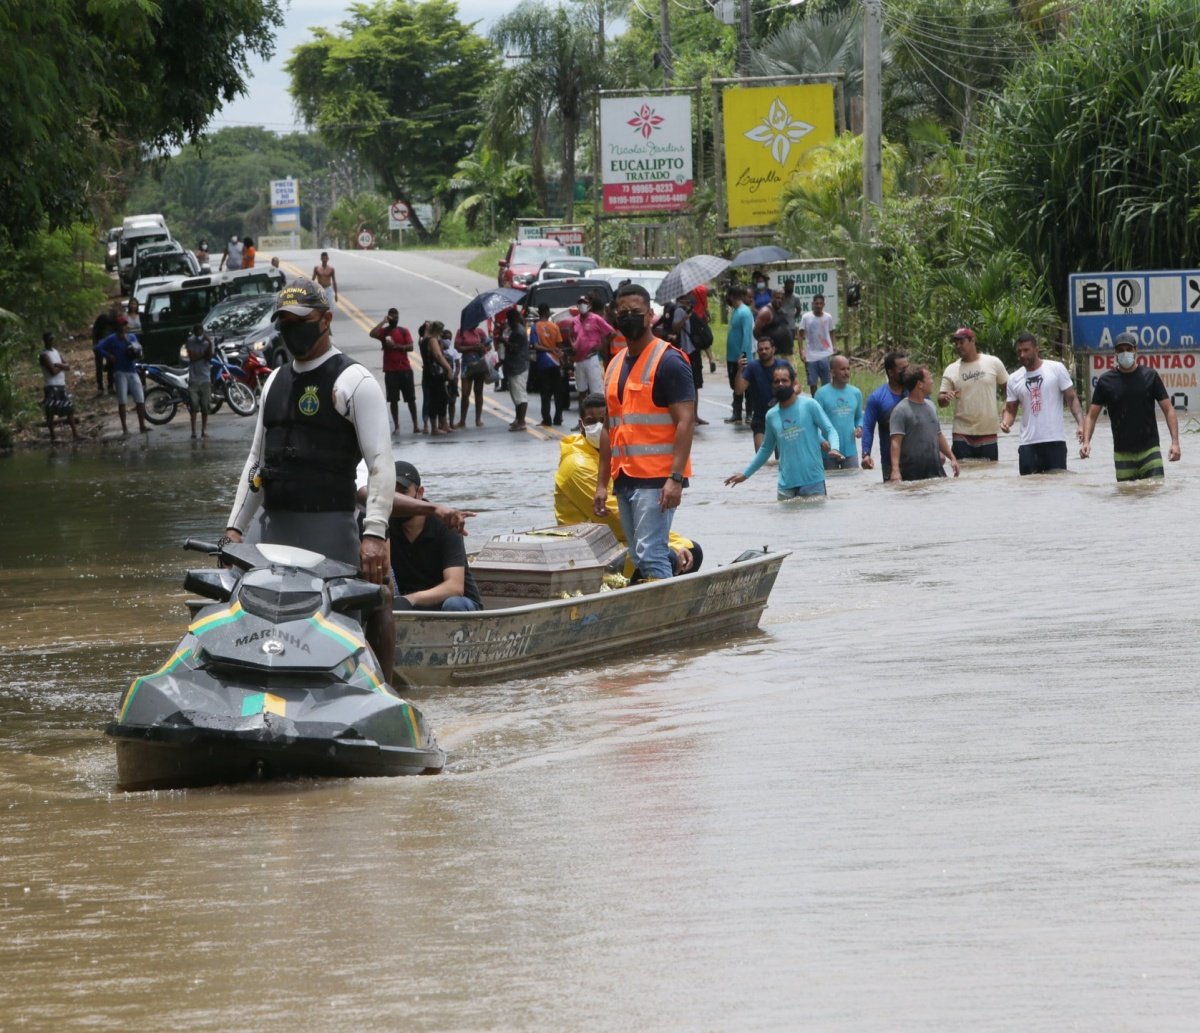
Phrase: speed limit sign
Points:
(366, 239)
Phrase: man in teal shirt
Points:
(739, 342)
(843, 404)
(802, 432)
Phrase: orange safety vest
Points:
(640, 433)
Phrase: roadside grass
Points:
(485, 262)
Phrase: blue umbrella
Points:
(761, 255)
(689, 274)
(484, 306)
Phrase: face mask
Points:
(632, 325)
(592, 433)
(1126, 360)
(584, 310)
(782, 394)
(300, 337)
(761, 284)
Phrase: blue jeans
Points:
(646, 529)
(459, 604)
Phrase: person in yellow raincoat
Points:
(575, 488)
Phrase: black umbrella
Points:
(689, 274)
(760, 256)
(484, 306)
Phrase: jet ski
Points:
(274, 679)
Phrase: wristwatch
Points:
(677, 478)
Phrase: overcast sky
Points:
(268, 103)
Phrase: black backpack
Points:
(700, 332)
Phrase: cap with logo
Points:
(407, 475)
(301, 297)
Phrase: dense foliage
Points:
(399, 88)
(217, 187)
(1090, 158)
(91, 89)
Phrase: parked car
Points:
(520, 266)
(562, 268)
(651, 279)
(244, 323)
(170, 312)
(162, 263)
(138, 232)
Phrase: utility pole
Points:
(872, 109)
(743, 38)
(664, 42)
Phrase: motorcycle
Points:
(247, 365)
(170, 390)
(273, 679)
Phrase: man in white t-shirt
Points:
(1039, 389)
(971, 384)
(817, 325)
(56, 402)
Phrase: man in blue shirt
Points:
(739, 342)
(755, 381)
(878, 411)
(801, 431)
(124, 352)
(843, 404)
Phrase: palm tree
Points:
(818, 46)
(562, 67)
(492, 183)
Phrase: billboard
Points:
(1177, 370)
(808, 284)
(1162, 308)
(285, 204)
(645, 153)
(767, 130)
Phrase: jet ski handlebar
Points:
(199, 545)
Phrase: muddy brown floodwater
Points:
(950, 785)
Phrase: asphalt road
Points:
(422, 285)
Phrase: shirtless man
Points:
(324, 275)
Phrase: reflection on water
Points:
(949, 784)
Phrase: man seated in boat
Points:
(380, 627)
(429, 560)
(575, 488)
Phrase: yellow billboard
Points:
(767, 130)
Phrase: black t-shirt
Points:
(1131, 400)
(421, 563)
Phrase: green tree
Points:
(559, 56)
(91, 85)
(493, 187)
(1088, 159)
(218, 187)
(399, 87)
(951, 57)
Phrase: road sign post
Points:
(1161, 308)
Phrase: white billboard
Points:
(285, 193)
(645, 153)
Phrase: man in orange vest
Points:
(646, 445)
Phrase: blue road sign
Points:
(1162, 308)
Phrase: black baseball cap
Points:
(407, 475)
(301, 297)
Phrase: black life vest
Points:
(311, 449)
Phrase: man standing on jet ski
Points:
(319, 414)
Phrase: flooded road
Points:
(950, 785)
